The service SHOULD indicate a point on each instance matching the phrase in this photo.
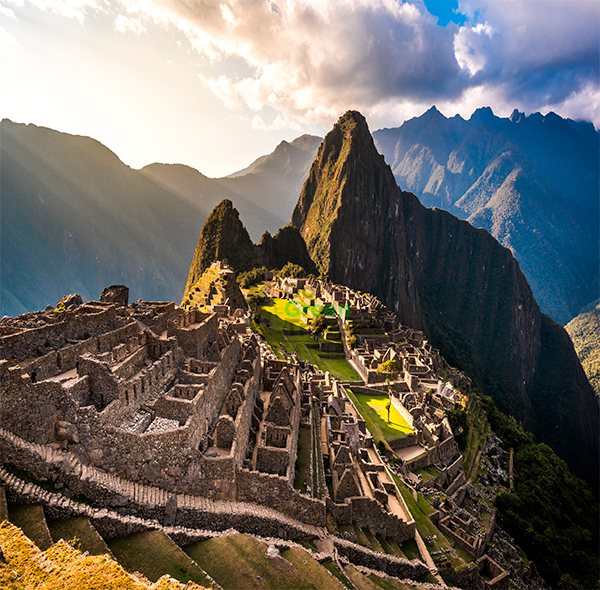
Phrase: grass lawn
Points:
(410, 549)
(31, 520)
(154, 554)
(282, 314)
(302, 477)
(372, 407)
(81, 529)
(426, 473)
(359, 580)
(332, 567)
(240, 561)
(319, 575)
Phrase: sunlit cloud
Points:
(304, 62)
(7, 12)
(75, 9)
(312, 60)
(8, 42)
(124, 24)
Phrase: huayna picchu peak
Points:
(455, 282)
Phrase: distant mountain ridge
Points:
(452, 280)
(532, 182)
(74, 218)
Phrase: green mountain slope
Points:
(456, 282)
(532, 182)
(74, 218)
(224, 236)
(584, 330)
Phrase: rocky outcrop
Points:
(118, 294)
(455, 282)
(225, 237)
(287, 245)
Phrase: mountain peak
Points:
(517, 116)
(483, 114)
(346, 155)
(223, 236)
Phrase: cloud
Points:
(7, 12)
(8, 42)
(76, 9)
(123, 24)
(310, 60)
(540, 53)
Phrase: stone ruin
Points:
(164, 412)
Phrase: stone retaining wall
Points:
(272, 490)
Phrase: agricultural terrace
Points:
(277, 315)
(372, 408)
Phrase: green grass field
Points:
(31, 520)
(240, 561)
(373, 410)
(282, 314)
(154, 554)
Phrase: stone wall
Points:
(389, 564)
(73, 325)
(368, 513)
(277, 492)
(410, 440)
(195, 341)
(190, 512)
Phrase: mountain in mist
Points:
(532, 182)
(74, 218)
(454, 281)
(264, 193)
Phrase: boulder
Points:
(115, 294)
(69, 300)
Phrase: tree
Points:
(390, 368)
(319, 323)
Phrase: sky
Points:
(216, 84)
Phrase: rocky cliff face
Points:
(452, 280)
(532, 182)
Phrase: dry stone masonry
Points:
(178, 418)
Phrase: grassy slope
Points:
(240, 561)
(62, 567)
(584, 330)
(81, 529)
(154, 554)
(30, 518)
(284, 315)
(397, 427)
